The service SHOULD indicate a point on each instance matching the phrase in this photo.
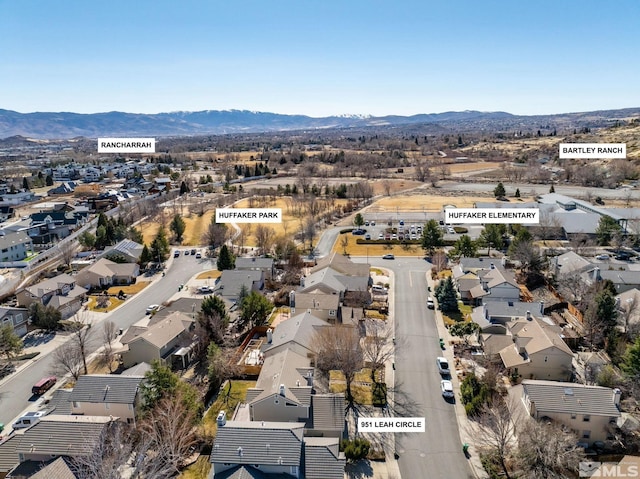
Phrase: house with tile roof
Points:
(531, 349)
(60, 468)
(105, 273)
(270, 450)
(591, 411)
(53, 436)
(107, 395)
(169, 340)
(60, 292)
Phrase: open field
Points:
(196, 227)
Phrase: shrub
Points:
(355, 449)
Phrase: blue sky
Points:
(319, 57)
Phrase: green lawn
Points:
(463, 315)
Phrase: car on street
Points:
(152, 308)
(388, 256)
(446, 387)
(28, 420)
(430, 303)
(443, 365)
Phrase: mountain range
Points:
(63, 125)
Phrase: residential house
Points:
(64, 188)
(492, 317)
(591, 411)
(342, 264)
(260, 449)
(232, 282)
(569, 264)
(53, 436)
(107, 395)
(331, 281)
(323, 306)
(127, 249)
(17, 318)
(59, 468)
(17, 198)
(169, 340)
(531, 349)
(623, 281)
(60, 292)
(495, 285)
(104, 273)
(15, 246)
(266, 265)
(628, 305)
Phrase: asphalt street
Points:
(15, 392)
(437, 452)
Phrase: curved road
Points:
(15, 391)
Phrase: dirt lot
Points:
(419, 202)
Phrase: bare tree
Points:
(109, 334)
(627, 312)
(377, 346)
(386, 186)
(216, 235)
(81, 335)
(110, 455)
(309, 231)
(495, 429)
(67, 252)
(67, 359)
(344, 242)
(264, 238)
(547, 451)
(167, 434)
(338, 348)
(580, 243)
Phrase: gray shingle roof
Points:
(57, 469)
(559, 397)
(322, 459)
(59, 402)
(258, 442)
(106, 388)
(284, 367)
(299, 329)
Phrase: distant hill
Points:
(65, 125)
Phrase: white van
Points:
(27, 420)
(377, 289)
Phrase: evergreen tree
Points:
(145, 257)
(431, 236)
(449, 302)
(160, 246)
(178, 227)
(25, 183)
(358, 220)
(499, 191)
(552, 189)
(226, 259)
(517, 193)
(465, 246)
(607, 229)
(49, 180)
(492, 235)
(255, 309)
(631, 360)
(183, 188)
(10, 343)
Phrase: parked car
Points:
(198, 255)
(205, 290)
(152, 308)
(43, 385)
(27, 420)
(367, 236)
(603, 257)
(380, 236)
(624, 256)
(430, 303)
(388, 256)
(373, 223)
(446, 387)
(186, 252)
(193, 251)
(176, 254)
(443, 365)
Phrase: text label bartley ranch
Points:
(594, 151)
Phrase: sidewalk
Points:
(473, 457)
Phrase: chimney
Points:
(292, 299)
(529, 317)
(282, 390)
(541, 307)
(503, 261)
(596, 274)
(493, 266)
(269, 335)
(616, 397)
(222, 418)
